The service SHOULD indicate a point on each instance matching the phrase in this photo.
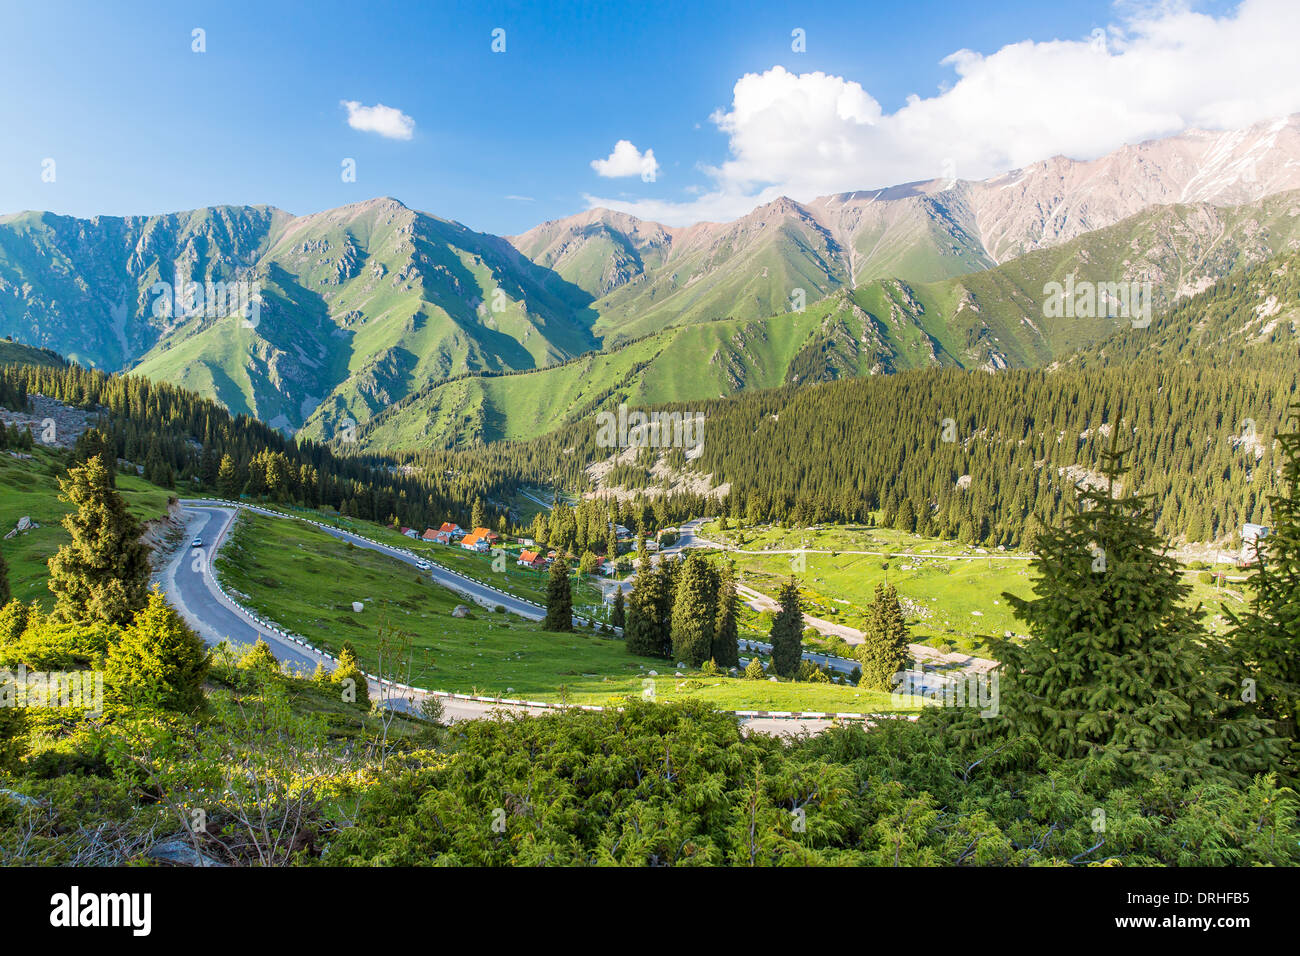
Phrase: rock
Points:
(679, 674)
(358, 606)
(772, 679)
(652, 673)
(179, 853)
(20, 798)
(460, 611)
(24, 523)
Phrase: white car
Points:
(424, 565)
(196, 543)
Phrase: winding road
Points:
(187, 578)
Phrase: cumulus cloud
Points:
(1157, 72)
(385, 120)
(627, 160)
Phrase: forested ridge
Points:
(185, 441)
(1200, 394)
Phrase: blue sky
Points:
(138, 123)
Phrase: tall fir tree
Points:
(229, 482)
(618, 617)
(1116, 663)
(559, 599)
(1266, 639)
(884, 649)
(643, 632)
(694, 611)
(665, 598)
(726, 629)
(102, 574)
(787, 632)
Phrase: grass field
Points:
(306, 580)
(953, 594)
(31, 488)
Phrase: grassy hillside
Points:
(30, 488)
(307, 580)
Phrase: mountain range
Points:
(442, 334)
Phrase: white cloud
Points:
(627, 160)
(1159, 71)
(385, 120)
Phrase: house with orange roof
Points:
(448, 531)
(531, 559)
(476, 540)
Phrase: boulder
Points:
(460, 611)
(179, 853)
(358, 606)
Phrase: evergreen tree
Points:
(102, 574)
(694, 611)
(884, 650)
(726, 630)
(787, 632)
(5, 594)
(348, 672)
(754, 669)
(559, 599)
(643, 632)
(1116, 664)
(158, 660)
(619, 616)
(1266, 639)
(228, 480)
(477, 516)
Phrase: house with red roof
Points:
(531, 559)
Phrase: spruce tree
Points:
(884, 649)
(787, 632)
(102, 574)
(1266, 639)
(1116, 664)
(726, 630)
(694, 611)
(559, 600)
(643, 631)
(158, 660)
(228, 481)
(619, 615)
(665, 594)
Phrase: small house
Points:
(531, 559)
(475, 542)
(447, 532)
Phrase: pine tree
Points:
(1266, 639)
(619, 616)
(5, 594)
(787, 632)
(726, 630)
(559, 599)
(102, 574)
(694, 611)
(754, 669)
(884, 650)
(158, 660)
(1116, 663)
(477, 516)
